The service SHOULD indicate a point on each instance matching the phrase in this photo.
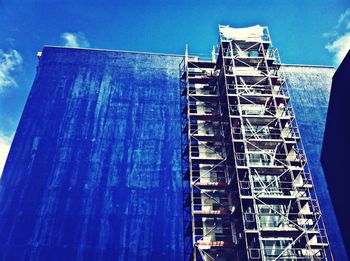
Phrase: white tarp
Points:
(253, 33)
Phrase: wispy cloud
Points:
(9, 61)
(339, 38)
(344, 19)
(75, 39)
(340, 47)
(5, 144)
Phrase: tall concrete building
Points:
(96, 169)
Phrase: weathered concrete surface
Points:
(94, 169)
(309, 88)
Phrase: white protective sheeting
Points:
(253, 33)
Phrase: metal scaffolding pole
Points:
(250, 194)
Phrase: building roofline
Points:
(110, 50)
(309, 65)
(167, 54)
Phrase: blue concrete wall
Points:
(309, 88)
(94, 169)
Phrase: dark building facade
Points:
(336, 142)
(94, 171)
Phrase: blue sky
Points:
(305, 31)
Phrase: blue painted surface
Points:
(309, 88)
(94, 171)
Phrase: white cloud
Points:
(339, 43)
(344, 19)
(340, 47)
(9, 61)
(75, 39)
(5, 144)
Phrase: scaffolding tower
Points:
(248, 190)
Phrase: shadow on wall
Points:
(336, 145)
